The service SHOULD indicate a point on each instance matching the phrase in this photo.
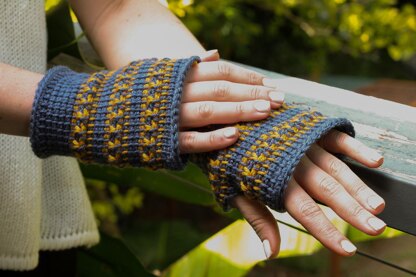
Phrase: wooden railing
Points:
(384, 125)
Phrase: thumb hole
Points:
(263, 223)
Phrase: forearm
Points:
(17, 91)
(122, 31)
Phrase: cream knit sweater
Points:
(43, 203)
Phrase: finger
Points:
(318, 184)
(195, 142)
(232, 92)
(220, 70)
(339, 142)
(210, 56)
(344, 175)
(197, 114)
(302, 207)
(263, 223)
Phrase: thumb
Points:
(210, 56)
(262, 221)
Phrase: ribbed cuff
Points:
(52, 111)
(128, 117)
(260, 164)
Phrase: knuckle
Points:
(309, 209)
(329, 232)
(358, 190)
(255, 92)
(205, 110)
(224, 69)
(335, 167)
(222, 90)
(258, 224)
(328, 186)
(189, 141)
(239, 108)
(340, 138)
(356, 211)
(253, 78)
(212, 138)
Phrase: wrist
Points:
(127, 117)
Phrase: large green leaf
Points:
(189, 185)
(234, 250)
(111, 257)
(174, 238)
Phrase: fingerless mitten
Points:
(127, 117)
(261, 163)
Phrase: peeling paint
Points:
(381, 134)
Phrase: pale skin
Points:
(217, 92)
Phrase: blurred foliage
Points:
(299, 37)
(290, 36)
(189, 185)
(109, 201)
(60, 28)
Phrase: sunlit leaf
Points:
(357, 236)
(235, 250)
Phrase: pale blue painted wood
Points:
(397, 141)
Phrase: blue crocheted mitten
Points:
(127, 117)
(261, 163)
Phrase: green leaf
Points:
(236, 249)
(189, 185)
(159, 243)
(111, 257)
(356, 235)
(61, 35)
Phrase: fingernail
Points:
(266, 248)
(277, 96)
(348, 246)
(375, 156)
(208, 53)
(375, 201)
(376, 224)
(229, 132)
(262, 106)
(272, 83)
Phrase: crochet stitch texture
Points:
(260, 164)
(127, 117)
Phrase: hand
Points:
(323, 177)
(218, 92)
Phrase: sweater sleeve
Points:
(262, 161)
(127, 117)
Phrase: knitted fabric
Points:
(261, 163)
(127, 117)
